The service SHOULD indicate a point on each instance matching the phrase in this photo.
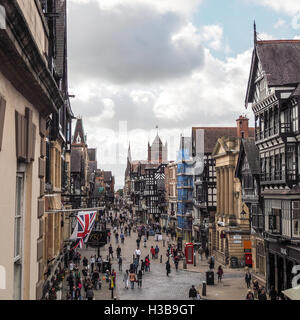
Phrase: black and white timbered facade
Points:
(273, 93)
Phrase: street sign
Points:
(97, 239)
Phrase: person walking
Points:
(193, 293)
(120, 263)
(250, 295)
(206, 253)
(111, 252)
(126, 279)
(143, 266)
(89, 293)
(220, 273)
(262, 295)
(147, 263)
(168, 268)
(248, 279)
(132, 279)
(99, 263)
(138, 240)
(152, 250)
(122, 237)
(117, 237)
(92, 261)
(156, 251)
(138, 253)
(108, 235)
(176, 262)
(139, 278)
(118, 252)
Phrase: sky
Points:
(138, 64)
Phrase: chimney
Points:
(242, 127)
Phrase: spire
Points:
(79, 137)
(129, 153)
(255, 34)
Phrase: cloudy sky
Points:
(138, 64)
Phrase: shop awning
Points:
(293, 293)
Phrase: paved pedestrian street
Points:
(156, 285)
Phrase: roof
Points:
(280, 60)
(76, 156)
(292, 293)
(251, 152)
(212, 134)
(79, 131)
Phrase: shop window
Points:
(296, 218)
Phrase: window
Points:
(295, 118)
(260, 257)
(18, 237)
(296, 218)
(275, 220)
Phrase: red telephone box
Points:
(189, 253)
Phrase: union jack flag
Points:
(85, 222)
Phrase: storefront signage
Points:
(237, 241)
(237, 237)
(283, 251)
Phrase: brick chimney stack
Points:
(242, 124)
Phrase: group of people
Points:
(258, 292)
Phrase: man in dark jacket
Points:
(193, 293)
(90, 293)
(248, 279)
(273, 294)
(168, 268)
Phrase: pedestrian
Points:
(132, 279)
(152, 250)
(193, 293)
(248, 279)
(145, 242)
(212, 262)
(71, 266)
(138, 240)
(168, 268)
(142, 266)
(262, 295)
(220, 273)
(118, 252)
(108, 235)
(156, 251)
(147, 263)
(176, 262)
(147, 234)
(206, 253)
(122, 237)
(137, 253)
(120, 263)
(99, 263)
(273, 293)
(256, 289)
(71, 281)
(126, 279)
(85, 262)
(89, 293)
(117, 237)
(92, 261)
(111, 252)
(250, 295)
(139, 278)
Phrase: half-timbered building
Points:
(273, 94)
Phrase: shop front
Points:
(281, 259)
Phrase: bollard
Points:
(161, 258)
(204, 288)
(194, 259)
(184, 263)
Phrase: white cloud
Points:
(213, 35)
(184, 7)
(280, 23)
(290, 7)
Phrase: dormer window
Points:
(78, 139)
